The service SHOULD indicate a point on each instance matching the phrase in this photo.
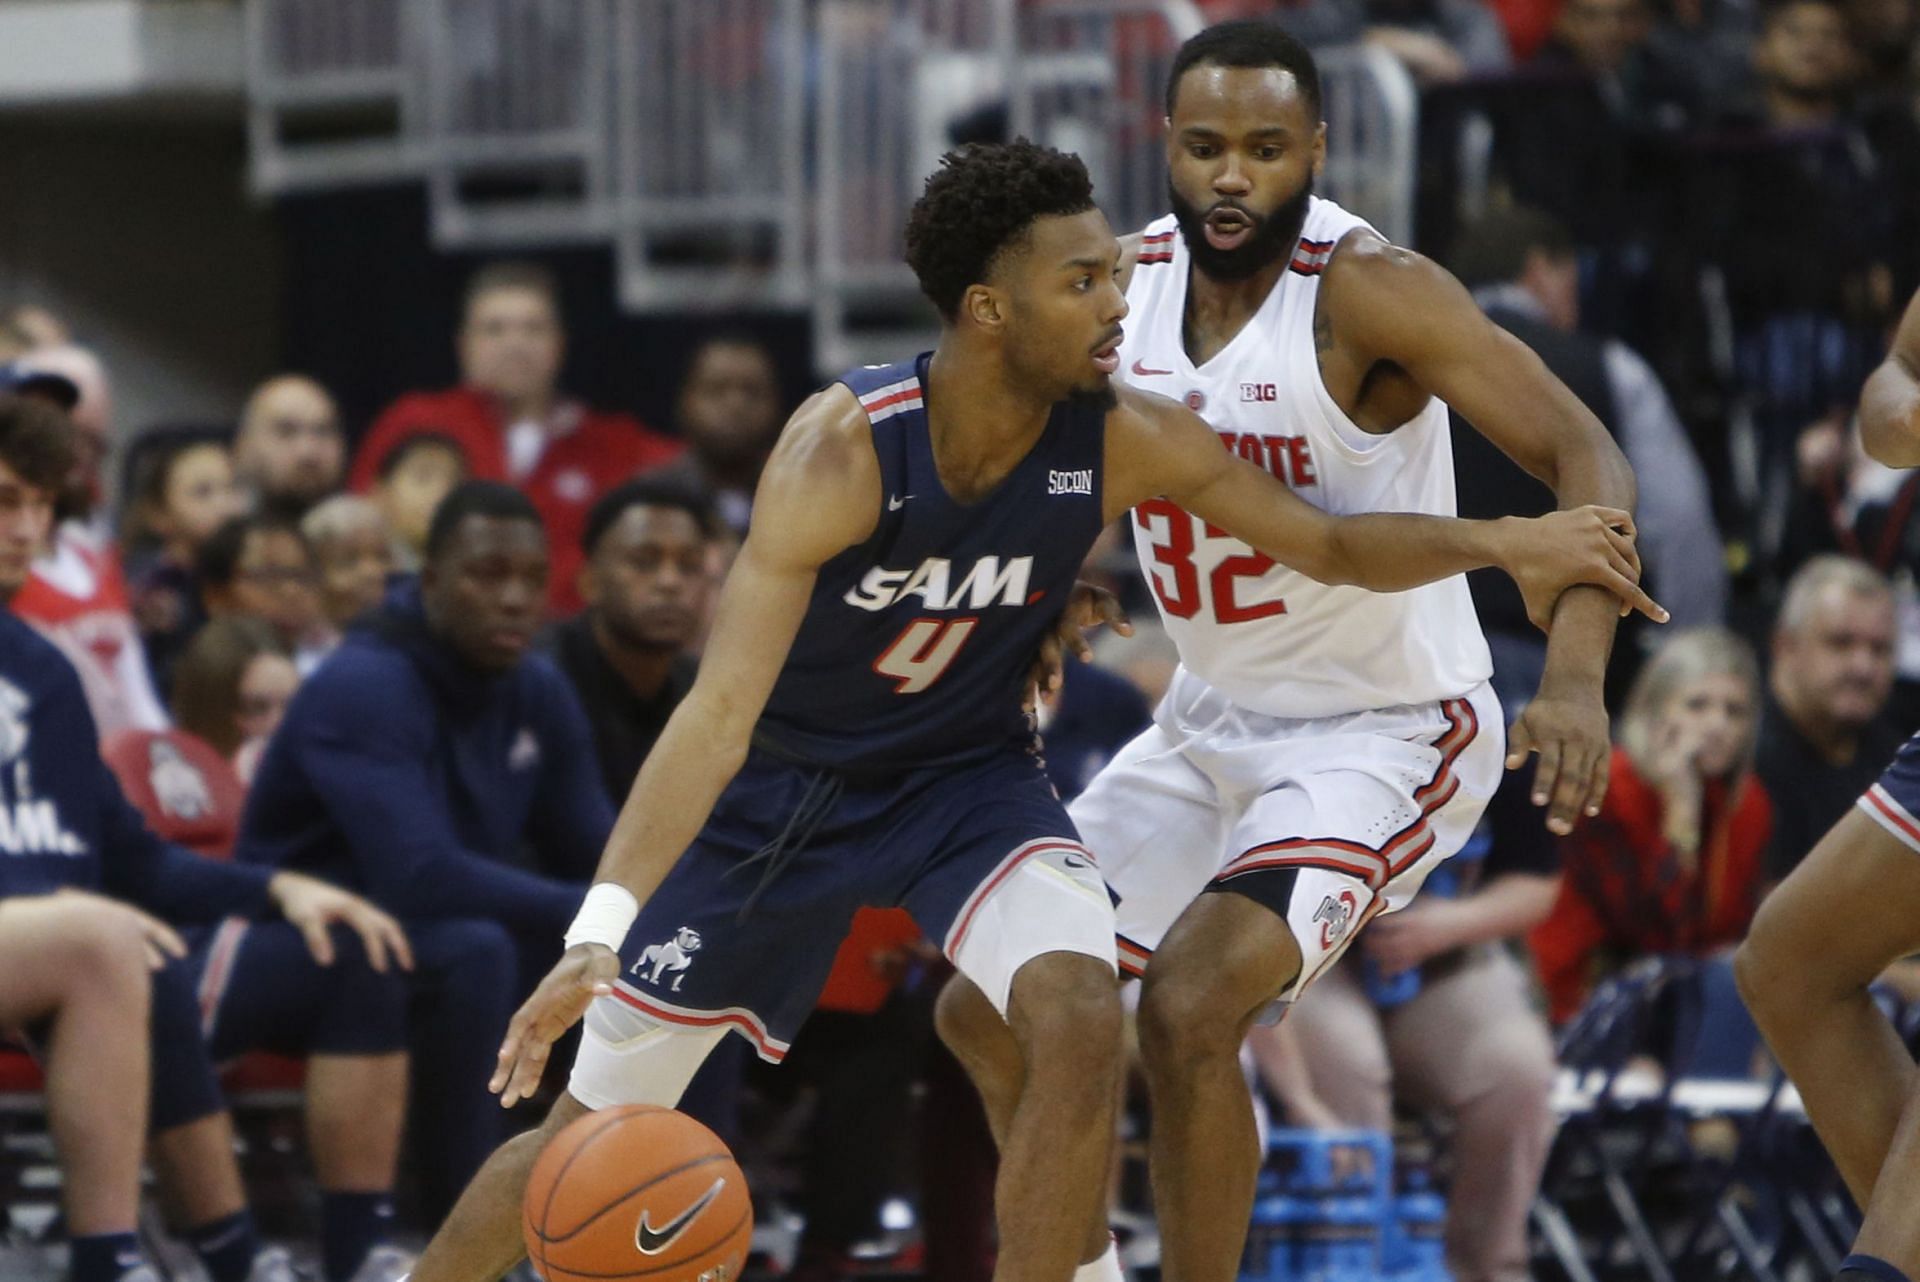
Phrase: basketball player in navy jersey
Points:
(1850, 910)
(856, 734)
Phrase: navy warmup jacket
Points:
(63, 819)
(415, 779)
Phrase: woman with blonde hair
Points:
(1672, 864)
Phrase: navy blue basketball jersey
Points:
(917, 643)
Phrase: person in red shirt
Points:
(510, 419)
(1672, 864)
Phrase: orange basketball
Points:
(637, 1192)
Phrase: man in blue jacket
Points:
(421, 764)
(94, 976)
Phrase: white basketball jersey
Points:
(1268, 638)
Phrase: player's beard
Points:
(1273, 235)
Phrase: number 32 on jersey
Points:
(1176, 579)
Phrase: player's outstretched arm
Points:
(819, 495)
(1890, 402)
(1382, 303)
(1156, 447)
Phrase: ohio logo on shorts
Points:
(1335, 915)
(670, 958)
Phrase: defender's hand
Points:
(1570, 734)
(1594, 545)
(1089, 606)
(313, 906)
(584, 972)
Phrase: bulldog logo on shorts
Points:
(671, 957)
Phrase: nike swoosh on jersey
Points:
(1141, 369)
(652, 1241)
(897, 501)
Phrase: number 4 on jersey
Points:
(923, 652)
(1180, 595)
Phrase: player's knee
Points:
(1190, 1012)
(1770, 968)
(1065, 1009)
(970, 1027)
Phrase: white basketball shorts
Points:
(1327, 820)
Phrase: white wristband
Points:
(604, 917)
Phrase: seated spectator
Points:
(289, 452)
(1823, 735)
(354, 552)
(260, 566)
(1438, 41)
(646, 583)
(1521, 266)
(512, 422)
(186, 493)
(1433, 1009)
(1807, 326)
(1645, 84)
(233, 685)
(1672, 864)
(417, 763)
(1887, 34)
(77, 594)
(317, 982)
(413, 478)
(729, 414)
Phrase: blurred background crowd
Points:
(1704, 215)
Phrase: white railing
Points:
(1372, 111)
(710, 113)
(332, 94)
(516, 124)
(750, 153)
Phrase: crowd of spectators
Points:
(431, 651)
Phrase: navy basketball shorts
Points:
(982, 855)
(1893, 801)
(247, 986)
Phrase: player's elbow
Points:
(1336, 559)
(1892, 440)
(715, 723)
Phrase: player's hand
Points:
(1400, 941)
(163, 941)
(584, 972)
(1088, 607)
(1569, 731)
(315, 907)
(1593, 545)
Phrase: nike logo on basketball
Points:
(652, 1241)
(897, 501)
(1141, 369)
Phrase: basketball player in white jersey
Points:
(1320, 749)
(1848, 911)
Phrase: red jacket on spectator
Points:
(591, 453)
(1628, 893)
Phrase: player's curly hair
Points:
(36, 441)
(981, 201)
